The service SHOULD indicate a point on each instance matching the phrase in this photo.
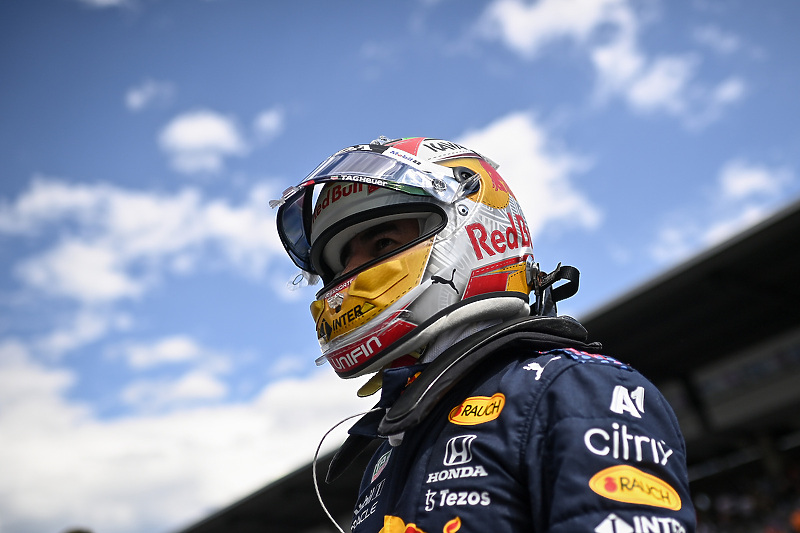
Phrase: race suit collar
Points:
(395, 381)
(404, 404)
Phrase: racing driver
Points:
(495, 414)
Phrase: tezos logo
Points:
(448, 498)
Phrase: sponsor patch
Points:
(622, 444)
(641, 524)
(477, 410)
(536, 367)
(336, 192)
(457, 473)
(452, 526)
(380, 465)
(348, 357)
(459, 450)
(367, 506)
(624, 401)
(624, 483)
(449, 498)
(516, 234)
(395, 524)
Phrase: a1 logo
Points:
(623, 401)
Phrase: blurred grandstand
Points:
(720, 336)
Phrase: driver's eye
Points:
(384, 243)
(376, 241)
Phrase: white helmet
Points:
(471, 261)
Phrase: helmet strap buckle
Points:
(544, 290)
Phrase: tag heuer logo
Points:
(380, 465)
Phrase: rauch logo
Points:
(624, 483)
(477, 410)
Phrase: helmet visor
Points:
(391, 169)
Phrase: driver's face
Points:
(377, 241)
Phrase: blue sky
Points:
(154, 366)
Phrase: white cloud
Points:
(608, 32)
(202, 379)
(84, 327)
(174, 349)
(148, 93)
(662, 85)
(729, 91)
(288, 364)
(269, 124)
(528, 27)
(80, 271)
(717, 39)
(156, 394)
(745, 193)
(62, 465)
(741, 179)
(674, 241)
(199, 141)
(717, 100)
(618, 62)
(46, 201)
(725, 228)
(30, 391)
(116, 243)
(538, 173)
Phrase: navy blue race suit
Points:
(522, 428)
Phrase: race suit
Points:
(527, 429)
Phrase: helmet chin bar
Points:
(481, 307)
(358, 343)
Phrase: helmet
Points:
(470, 262)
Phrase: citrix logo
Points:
(623, 445)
